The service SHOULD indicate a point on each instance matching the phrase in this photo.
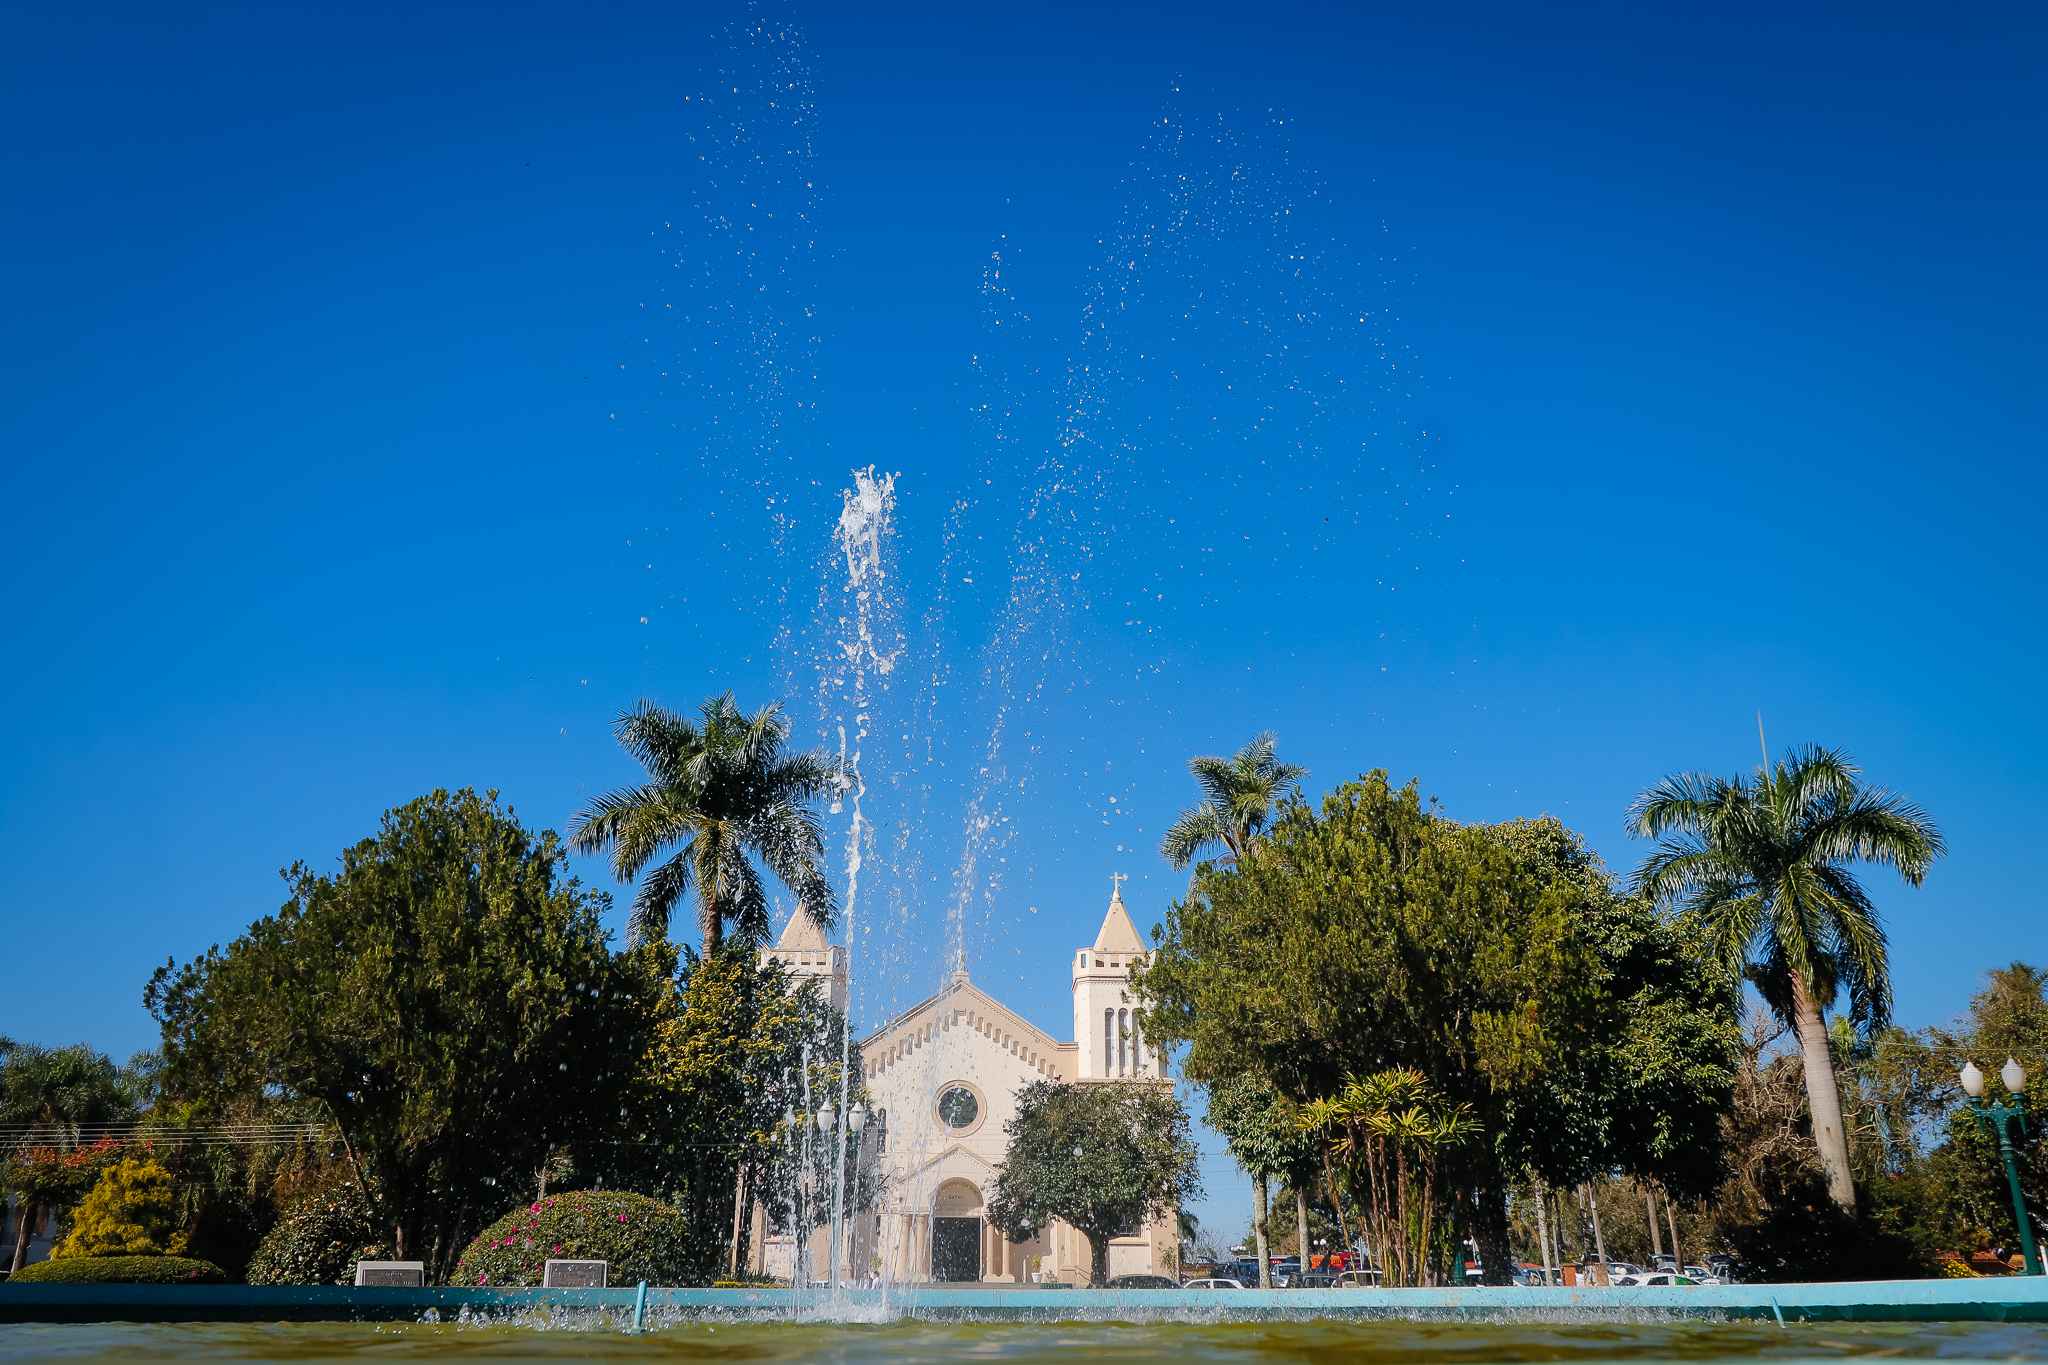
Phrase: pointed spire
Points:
(1118, 934)
(802, 932)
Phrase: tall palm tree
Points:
(726, 791)
(1240, 793)
(1760, 868)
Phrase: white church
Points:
(942, 1078)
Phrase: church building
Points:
(942, 1079)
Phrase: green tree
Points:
(1397, 938)
(1267, 1142)
(449, 998)
(1239, 794)
(1761, 868)
(727, 793)
(723, 1066)
(1103, 1156)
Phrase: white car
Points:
(1212, 1284)
(1655, 1277)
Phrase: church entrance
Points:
(956, 1231)
(956, 1248)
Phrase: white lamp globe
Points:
(856, 1116)
(2014, 1075)
(825, 1118)
(1973, 1080)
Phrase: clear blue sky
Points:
(1518, 397)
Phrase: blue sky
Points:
(1516, 397)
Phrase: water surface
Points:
(1425, 1343)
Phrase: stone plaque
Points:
(574, 1275)
(401, 1274)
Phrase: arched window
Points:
(1109, 1042)
(1123, 1038)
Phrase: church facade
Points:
(942, 1079)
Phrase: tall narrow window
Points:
(1123, 1039)
(1137, 1048)
(1109, 1042)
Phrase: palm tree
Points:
(1760, 869)
(727, 792)
(1241, 792)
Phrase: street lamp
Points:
(2015, 1078)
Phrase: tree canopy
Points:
(1495, 961)
(1761, 868)
(723, 792)
(448, 996)
(1103, 1156)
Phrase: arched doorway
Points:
(956, 1231)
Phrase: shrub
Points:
(132, 1211)
(319, 1239)
(119, 1270)
(640, 1238)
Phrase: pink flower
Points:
(622, 1218)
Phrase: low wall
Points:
(2013, 1299)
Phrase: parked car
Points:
(1358, 1279)
(1213, 1282)
(1654, 1277)
(1141, 1282)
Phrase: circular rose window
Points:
(958, 1107)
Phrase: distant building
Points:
(942, 1079)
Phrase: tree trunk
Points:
(1490, 1234)
(1677, 1254)
(1650, 1207)
(1823, 1098)
(1599, 1241)
(26, 1212)
(1259, 1229)
(1543, 1238)
(1098, 1260)
(1301, 1223)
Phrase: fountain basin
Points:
(2014, 1299)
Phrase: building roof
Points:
(1118, 934)
(802, 933)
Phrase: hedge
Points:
(120, 1270)
(640, 1238)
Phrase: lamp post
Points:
(2015, 1078)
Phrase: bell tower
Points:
(1110, 1044)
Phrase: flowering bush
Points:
(640, 1238)
(320, 1238)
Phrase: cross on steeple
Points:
(1116, 885)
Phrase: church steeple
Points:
(1118, 934)
(1111, 1045)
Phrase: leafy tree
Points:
(1239, 795)
(1264, 1137)
(724, 1063)
(1645, 1096)
(727, 793)
(1496, 961)
(1761, 867)
(1103, 1156)
(448, 997)
(132, 1211)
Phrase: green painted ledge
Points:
(2012, 1299)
